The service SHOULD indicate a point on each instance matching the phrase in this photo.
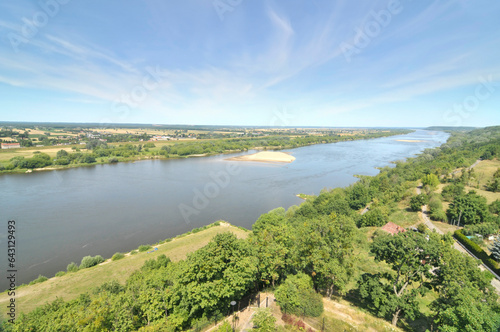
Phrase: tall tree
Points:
(324, 250)
(411, 256)
(467, 301)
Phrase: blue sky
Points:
(251, 62)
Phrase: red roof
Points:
(392, 228)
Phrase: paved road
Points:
(425, 210)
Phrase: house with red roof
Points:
(393, 229)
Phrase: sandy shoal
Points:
(266, 156)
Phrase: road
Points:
(495, 282)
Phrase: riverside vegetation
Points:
(96, 151)
(323, 248)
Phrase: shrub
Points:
(72, 267)
(439, 215)
(297, 296)
(133, 252)
(451, 191)
(416, 202)
(117, 256)
(60, 273)
(476, 251)
(264, 321)
(495, 207)
(113, 160)
(144, 248)
(422, 228)
(39, 280)
(89, 261)
(373, 217)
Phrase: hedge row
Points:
(477, 251)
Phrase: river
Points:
(62, 216)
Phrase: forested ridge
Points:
(309, 250)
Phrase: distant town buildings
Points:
(10, 146)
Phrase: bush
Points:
(133, 252)
(373, 217)
(72, 267)
(297, 296)
(117, 256)
(144, 248)
(113, 160)
(264, 321)
(60, 273)
(477, 251)
(495, 207)
(39, 280)
(439, 215)
(416, 202)
(451, 191)
(89, 261)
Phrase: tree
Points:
(417, 201)
(264, 321)
(297, 296)
(225, 270)
(411, 256)
(467, 301)
(324, 250)
(495, 249)
(271, 238)
(430, 180)
(373, 217)
(469, 209)
(61, 154)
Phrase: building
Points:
(392, 228)
(10, 146)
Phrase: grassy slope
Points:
(71, 285)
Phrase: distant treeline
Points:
(99, 151)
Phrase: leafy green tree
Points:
(430, 180)
(359, 196)
(495, 249)
(374, 217)
(411, 256)
(495, 207)
(416, 202)
(453, 190)
(469, 209)
(297, 296)
(223, 271)
(264, 321)
(467, 301)
(494, 185)
(272, 242)
(324, 250)
(62, 154)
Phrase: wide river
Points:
(64, 215)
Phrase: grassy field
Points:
(71, 285)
